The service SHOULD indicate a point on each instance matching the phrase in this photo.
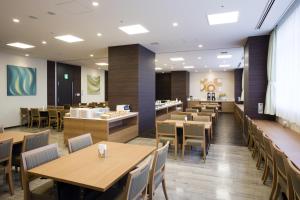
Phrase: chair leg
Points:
(175, 150)
(9, 180)
(164, 188)
(266, 172)
(277, 191)
(31, 123)
(204, 152)
(274, 183)
(183, 148)
(258, 163)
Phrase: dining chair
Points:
(157, 172)
(67, 107)
(31, 142)
(50, 107)
(191, 110)
(261, 147)
(202, 118)
(5, 162)
(52, 117)
(35, 158)
(250, 140)
(293, 177)
(61, 117)
(60, 107)
(24, 114)
(194, 135)
(178, 117)
(1, 129)
(268, 158)
(279, 173)
(255, 140)
(36, 117)
(166, 131)
(79, 142)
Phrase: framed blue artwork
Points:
(21, 81)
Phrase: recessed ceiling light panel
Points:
(44, 42)
(188, 67)
(175, 24)
(223, 18)
(20, 45)
(133, 29)
(99, 34)
(95, 3)
(200, 45)
(177, 59)
(225, 56)
(158, 68)
(224, 65)
(102, 64)
(16, 20)
(69, 38)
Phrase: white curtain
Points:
(243, 78)
(270, 96)
(288, 68)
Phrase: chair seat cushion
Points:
(194, 141)
(45, 189)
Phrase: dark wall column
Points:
(180, 86)
(255, 80)
(163, 86)
(131, 80)
(106, 85)
(50, 82)
(238, 77)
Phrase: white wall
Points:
(227, 84)
(85, 98)
(10, 105)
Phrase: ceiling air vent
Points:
(265, 14)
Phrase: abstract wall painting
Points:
(21, 81)
(93, 85)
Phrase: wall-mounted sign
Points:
(66, 76)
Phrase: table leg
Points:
(67, 191)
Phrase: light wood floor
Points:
(228, 174)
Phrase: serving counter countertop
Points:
(113, 118)
(167, 105)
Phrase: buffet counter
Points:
(163, 111)
(225, 105)
(112, 126)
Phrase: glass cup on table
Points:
(102, 149)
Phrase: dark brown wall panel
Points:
(238, 76)
(131, 80)
(106, 85)
(163, 86)
(180, 86)
(50, 82)
(255, 85)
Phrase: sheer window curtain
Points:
(288, 68)
(243, 77)
(270, 103)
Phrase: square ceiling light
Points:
(68, 38)
(158, 68)
(224, 56)
(188, 67)
(102, 64)
(223, 18)
(133, 29)
(177, 59)
(224, 65)
(20, 45)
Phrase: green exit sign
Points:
(66, 76)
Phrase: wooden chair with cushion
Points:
(79, 142)
(250, 133)
(202, 118)
(36, 117)
(279, 174)
(5, 162)
(268, 158)
(24, 114)
(35, 158)
(261, 147)
(194, 135)
(255, 140)
(166, 131)
(157, 172)
(52, 117)
(1, 129)
(31, 142)
(293, 177)
(178, 117)
(61, 117)
(191, 110)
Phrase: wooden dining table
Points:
(86, 169)
(17, 136)
(286, 139)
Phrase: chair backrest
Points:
(194, 130)
(67, 107)
(202, 118)
(79, 142)
(35, 112)
(208, 110)
(191, 110)
(36, 140)
(293, 173)
(60, 107)
(268, 146)
(204, 114)
(50, 107)
(178, 117)
(1, 129)
(166, 128)
(137, 181)
(52, 113)
(260, 137)
(6, 150)
(278, 158)
(24, 111)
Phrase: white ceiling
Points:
(80, 18)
